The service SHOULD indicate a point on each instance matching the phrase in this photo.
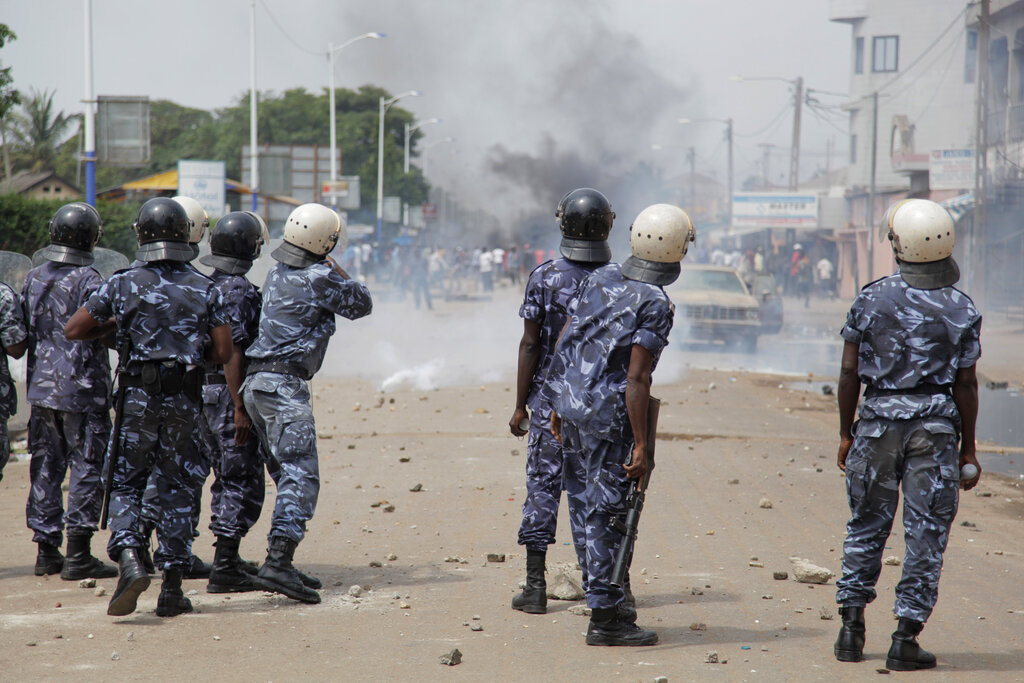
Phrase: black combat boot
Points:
(308, 581)
(850, 643)
(627, 608)
(80, 563)
(534, 598)
(905, 654)
(227, 574)
(608, 628)
(172, 601)
(134, 580)
(197, 569)
(145, 554)
(48, 559)
(277, 574)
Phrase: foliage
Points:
(9, 97)
(39, 129)
(24, 224)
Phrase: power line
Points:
(926, 51)
(771, 124)
(285, 33)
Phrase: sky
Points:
(539, 94)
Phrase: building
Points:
(41, 185)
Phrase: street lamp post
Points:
(385, 104)
(433, 144)
(798, 101)
(729, 172)
(331, 51)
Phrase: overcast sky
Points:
(524, 79)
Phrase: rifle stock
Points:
(635, 501)
(114, 446)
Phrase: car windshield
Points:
(711, 280)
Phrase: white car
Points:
(713, 304)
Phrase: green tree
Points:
(39, 129)
(9, 98)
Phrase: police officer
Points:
(301, 296)
(14, 339)
(599, 387)
(165, 314)
(585, 218)
(913, 340)
(238, 488)
(69, 392)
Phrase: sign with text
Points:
(204, 182)
(951, 169)
(343, 192)
(392, 209)
(762, 210)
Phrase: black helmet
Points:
(163, 230)
(585, 217)
(235, 243)
(74, 231)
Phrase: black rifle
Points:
(635, 502)
(114, 447)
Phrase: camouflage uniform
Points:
(586, 387)
(12, 331)
(296, 323)
(550, 288)
(69, 391)
(238, 488)
(911, 344)
(167, 310)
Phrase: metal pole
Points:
(869, 219)
(976, 244)
(380, 172)
(334, 129)
(408, 134)
(252, 109)
(794, 150)
(90, 115)
(728, 135)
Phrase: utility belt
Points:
(166, 379)
(281, 368)
(919, 390)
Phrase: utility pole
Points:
(976, 244)
(869, 215)
(728, 135)
(253, 152)
(794, 150)
(90, 113)
(766, 149)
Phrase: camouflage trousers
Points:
(543, 485)
(157, 439)
(922, 456)
(283, 418)
(60, 441)
(239, 485)
(198, 469)
(596, 487)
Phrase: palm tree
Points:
(40, 130)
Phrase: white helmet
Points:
(923, 236)
(659, 239)
(198, 220)
(310, 233)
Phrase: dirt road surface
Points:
(443, 458)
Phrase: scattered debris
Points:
(711, 657)
(392, 557)
(476, 627)
(882, 671)
(709, 532)
(698, 626)
(452, 658)
(515, 451)
(579, 610)
(969, 525)
(806, 572)
(130, 637)
(456, 559)
(767, 596)
(417, 488)
(100, 592)
(733, 481)
(404, 458)
(696, 591)
(389, 507)
(324, 435)
(495, 557)
(564, 587)
(404, 605)
(983, 494)
(892, 561)
(351, 446)
(826, 614)
(661, 679)
(376, 563)
(765, 503)
(826, 389)
(755, 563)
(114, 656)
(355, 590)
(87, 583)
(780, 576)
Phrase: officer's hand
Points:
(844, 449)
(243, 425)
(518, 416)
(556, 426)
(968, 456)
(637, 468)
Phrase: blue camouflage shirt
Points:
(299, 305)
(551, 287)
(72, 376)
(586, 382)
(911, 344)
(12, 331)
(166, 308)
(241, 300)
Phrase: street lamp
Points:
(385, 104)
(331, 51)
(798, 100)
(428, 146)
(728, 138)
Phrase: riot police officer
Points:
(164, 314)
(585, 218)
(599, 388)
(68, 385)
(301, 296)
(913, 340)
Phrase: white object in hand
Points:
(968, 472)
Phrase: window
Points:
(853, 149)
(970, 56)
(885, 53)
(858, 55)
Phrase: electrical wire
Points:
(771, 124)
(928, 49)
(942, 79)
(291, 40)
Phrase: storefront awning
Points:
(959, 206)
